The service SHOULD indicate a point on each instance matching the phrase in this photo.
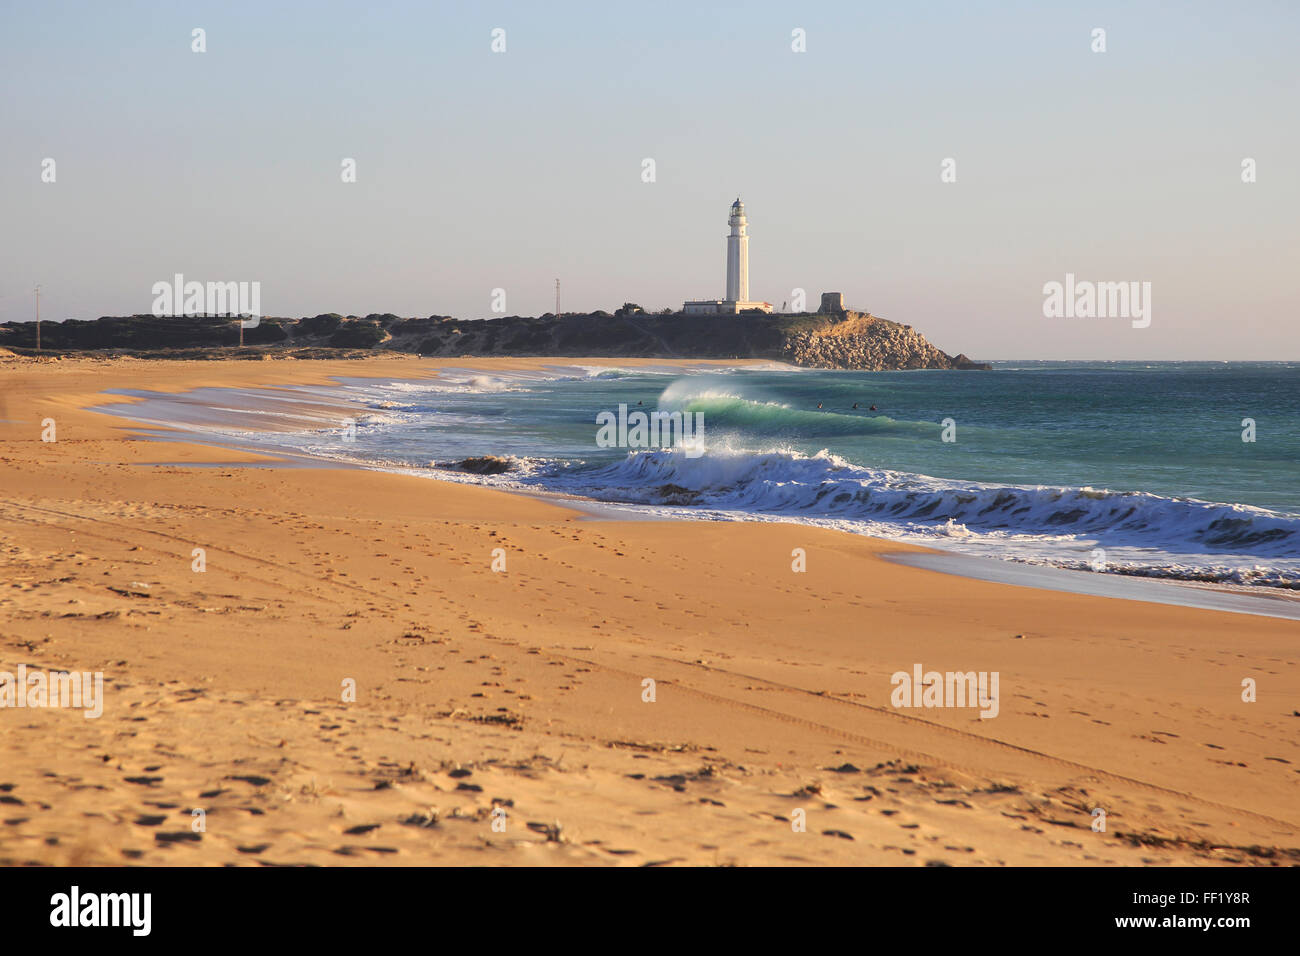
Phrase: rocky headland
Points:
(843, 340)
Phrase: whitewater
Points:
(1135, 469)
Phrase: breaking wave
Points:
(825, 486)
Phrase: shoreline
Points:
(1216, 597)
(1161, 589)
(523, 690)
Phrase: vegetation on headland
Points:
(850, 340)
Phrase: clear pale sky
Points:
(478, 170)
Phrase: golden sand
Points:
(524, 690)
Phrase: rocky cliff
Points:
(848, 340)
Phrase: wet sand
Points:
(1270, 602)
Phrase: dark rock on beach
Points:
(486, 465)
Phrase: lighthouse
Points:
(737, 299)
(738, 254)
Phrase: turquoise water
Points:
(1051, 461)
(1168, 429)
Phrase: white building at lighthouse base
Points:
(722, 307)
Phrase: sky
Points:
(479, 170)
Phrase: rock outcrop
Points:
(868, 343)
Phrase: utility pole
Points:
(38, 318)
(557, 298)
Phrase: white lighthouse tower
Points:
(737, 299)
(738, 254)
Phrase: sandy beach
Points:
(524, 689)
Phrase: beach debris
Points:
(554, 831)
(426, 820)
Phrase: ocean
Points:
(1127, 467)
